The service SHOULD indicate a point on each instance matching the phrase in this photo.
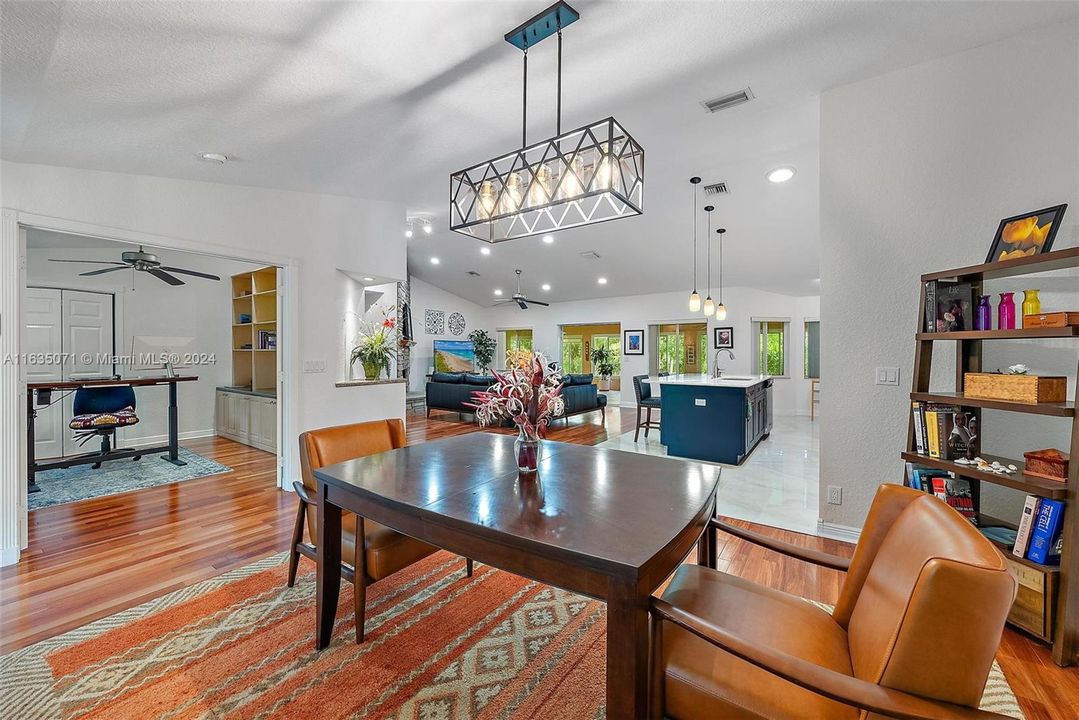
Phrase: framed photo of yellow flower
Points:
(1026, 235)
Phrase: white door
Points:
(88, 341)
(43, 336)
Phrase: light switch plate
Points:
(314, 366)
(887, 376)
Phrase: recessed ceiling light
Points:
(548, 239)
(368, 279)
(781, 175)
(213, 158)
(546, 286)
(427, 227)
(435, 261)
(485, 251)
(602, 280)
(497, 291)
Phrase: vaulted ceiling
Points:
(383, 100)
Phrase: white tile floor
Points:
(777, 485)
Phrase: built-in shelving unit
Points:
(1058, 582)
(254, 310)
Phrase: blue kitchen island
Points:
(715, 419)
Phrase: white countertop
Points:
(731, 381)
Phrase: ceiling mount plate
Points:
(547, 23)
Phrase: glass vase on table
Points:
(527, 449)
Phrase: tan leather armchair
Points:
(374, 550)
(913, 635)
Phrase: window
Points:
(672, 352)
(772, 348)
(614, 344)
(682, 348)
(572, 354)
(811, 364)
(518, 340)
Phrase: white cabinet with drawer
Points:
(248, 419)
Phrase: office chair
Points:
(98, 411)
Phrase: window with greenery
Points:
(614, 344)
(518, 340)
(672, 352)
(771, 349)
(572, 354)
(811, 367)
(703, 350)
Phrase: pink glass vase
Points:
(1006, 312)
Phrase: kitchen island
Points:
(715, 419)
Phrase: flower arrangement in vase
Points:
(529, 397)
(374, 347)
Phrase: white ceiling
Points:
(383, 100)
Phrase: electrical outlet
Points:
(835, 495)
(887, 376)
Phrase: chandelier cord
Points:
(694, 237)
(720, 268)
(524, 104)
(558, 111)
(708, 240)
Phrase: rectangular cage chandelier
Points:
(585, 176)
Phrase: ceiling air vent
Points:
(473, 273)
(719, 188)
(728, 101)
(590, 255)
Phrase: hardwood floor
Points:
(90, 559)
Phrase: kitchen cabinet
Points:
(247, 417)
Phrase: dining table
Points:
(608, 524)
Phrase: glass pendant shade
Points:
(695, 302)
(709, 305)
(721, 312)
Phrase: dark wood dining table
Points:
(609, 524)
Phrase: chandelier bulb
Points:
(695, 302)
(709, 305)
(721, 312)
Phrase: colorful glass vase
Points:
(1006, 312)
(1032, 304)
(983, 317)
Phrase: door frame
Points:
(13, 226)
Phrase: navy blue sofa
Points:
(450, 391)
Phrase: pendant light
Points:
(709, 303)
(721, 309)
(695, 297)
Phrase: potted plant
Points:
(374, 348)
(484, 347)
(529, 398)
(603, 364)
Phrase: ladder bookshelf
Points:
(254, 312)
(1060, 583)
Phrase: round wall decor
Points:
(457, 323)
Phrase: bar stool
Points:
(645, 401)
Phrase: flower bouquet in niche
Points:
(374, 347)
(529, 397)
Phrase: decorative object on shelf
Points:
(483, 345)
(723, 338)
(983, 316)
(948, 306)
(245, 318)
(434, 322)
(456, 323)
(374, 348)
(1053, 319)
(721, 309)
(694, 297)
(1026, 235)
(1049, 464)
(709, 303)
(1015, 388)
(529, 398)
(603, 364)
(585, 176)
(1006, 312)
(1018, 369)
(1032, 304)
(633, 342)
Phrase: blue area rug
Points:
(82, 482)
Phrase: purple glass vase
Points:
(1006, 312)
(983, 318)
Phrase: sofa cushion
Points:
(441, 377)
(577, 379)
(484, 380)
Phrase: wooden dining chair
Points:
(913, 635)
(375, 551)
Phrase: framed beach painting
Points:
(633, 342)
(1026, 235)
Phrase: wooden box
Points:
(1048, 464)
(1051, 320)
(1015, 388)
(1034, 606)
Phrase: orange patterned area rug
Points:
(439, 646)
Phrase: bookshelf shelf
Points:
(1048, 602)
(1064, 409)
(1031, 486)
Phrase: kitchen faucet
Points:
(717, 372)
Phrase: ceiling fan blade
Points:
(92, 262)
(540, 302)
(208, 276)
(521, 303)
(162, 275)
(102, 271)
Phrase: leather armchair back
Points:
(326, 446)
(932, 595)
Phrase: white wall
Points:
(201, 309)
(428, 297)
(917, 168)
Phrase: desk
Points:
(171, 450)
(604, 523)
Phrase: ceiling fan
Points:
(519, 297)
(143, 262)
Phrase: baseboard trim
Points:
(9, 555)
(164, 439)
(843, 533)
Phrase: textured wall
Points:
(917, 168)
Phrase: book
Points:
(959, 496)
(953, 307)
(1045, 531)
(999, 534)
(931, 306)
(1022, 535)
(932, 433)
(919, 431)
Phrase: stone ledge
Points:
(361, 383)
